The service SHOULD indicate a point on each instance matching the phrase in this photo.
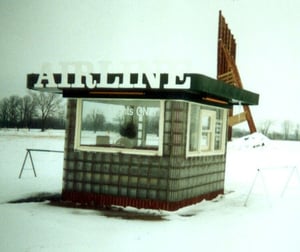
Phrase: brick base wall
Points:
(100, 200)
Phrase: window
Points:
(129, 126)
(207, 130)
(207, 123)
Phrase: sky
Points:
(34, 32)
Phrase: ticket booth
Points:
(144, 140)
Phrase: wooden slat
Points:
(227, 77)
(236, 119)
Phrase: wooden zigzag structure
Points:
(227, 71)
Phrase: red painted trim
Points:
(101, 200)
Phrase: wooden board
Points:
(236, 119)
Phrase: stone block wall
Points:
(166, 182)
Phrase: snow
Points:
(268, 222)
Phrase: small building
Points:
(143, 140)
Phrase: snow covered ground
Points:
(267, 219)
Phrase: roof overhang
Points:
(188, 86)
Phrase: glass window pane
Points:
(206, 129)
(207, 126)
(204, 141)
(206, 122)
(120, 123)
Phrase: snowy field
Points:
(266, 219)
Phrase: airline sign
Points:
(82, 76)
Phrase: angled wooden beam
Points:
(236, 119)
(238, 82)
(227, 71)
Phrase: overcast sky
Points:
(267, 33)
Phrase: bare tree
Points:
(4, 112)
(265, 127)
(47, 105)
(14, 110)
(286, 126)
(297, 131)
(28, 110)
(95, 121)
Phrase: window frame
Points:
(210, 131)
(115, 149)
(209, 111)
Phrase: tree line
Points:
(46, 110)
(96, 121)
(284, 130)
(34, 110)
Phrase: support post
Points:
(28, 152)
(258, 173)
(294, 170)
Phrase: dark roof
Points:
(203, 89)
(220, 90)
